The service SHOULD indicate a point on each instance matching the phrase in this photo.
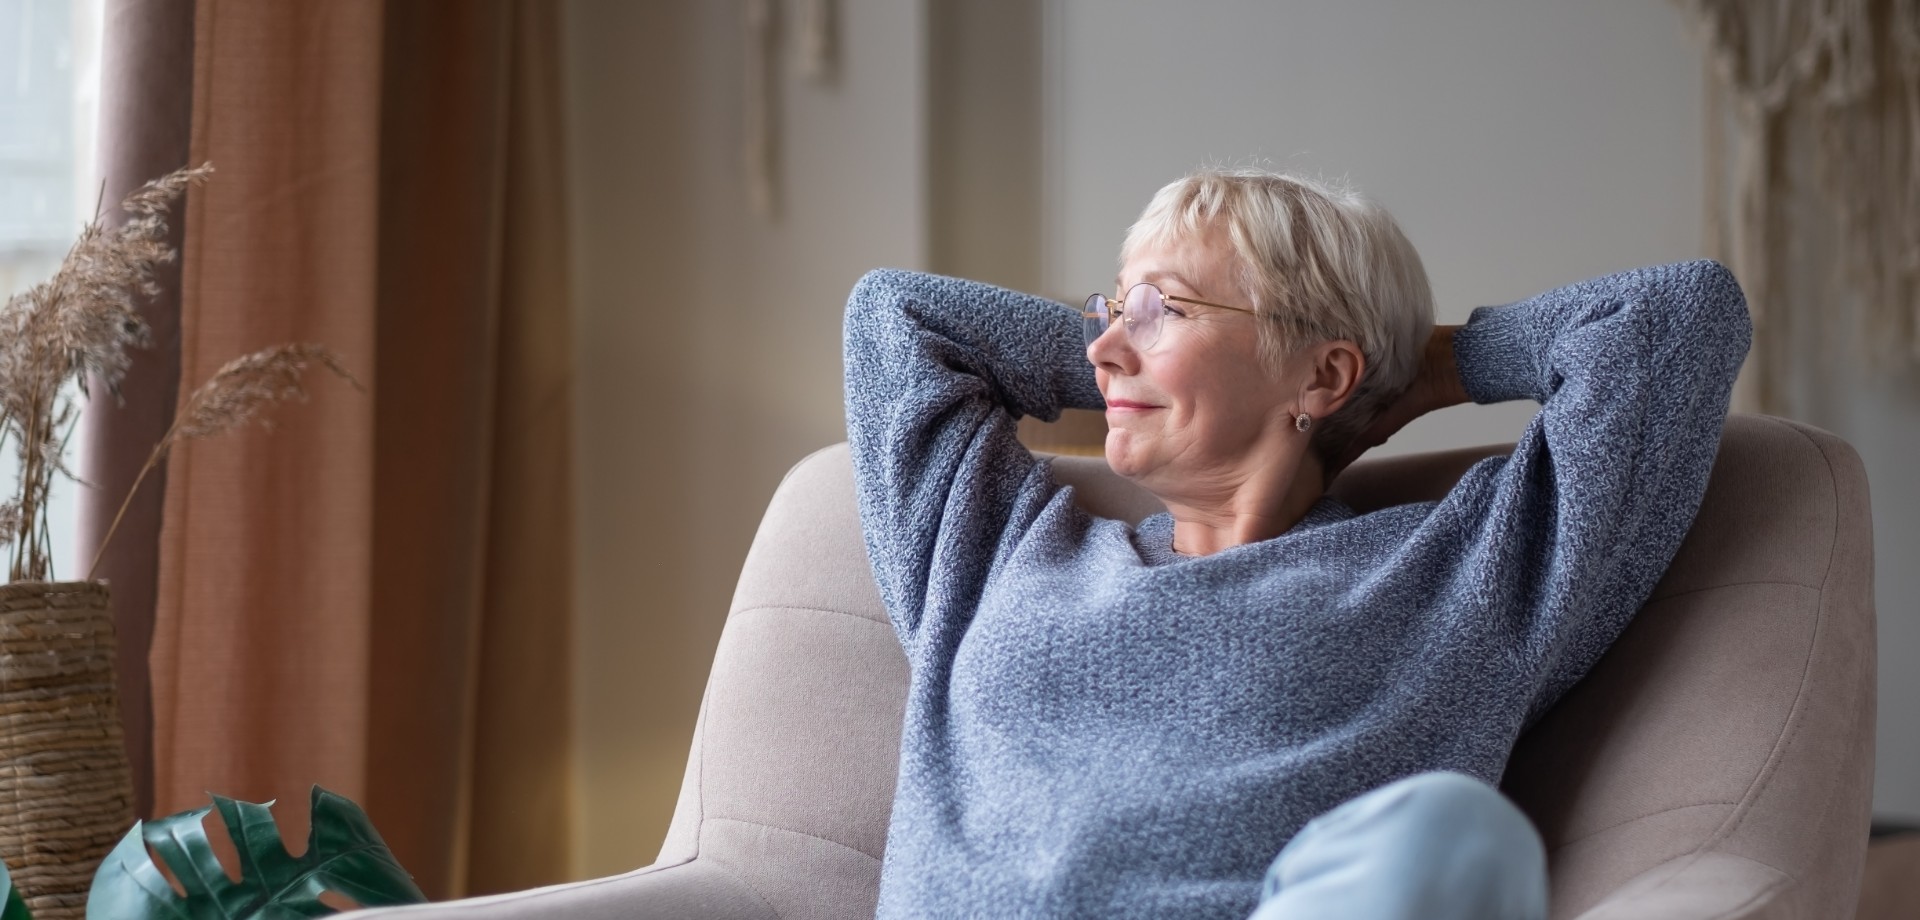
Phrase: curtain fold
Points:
(146, 96)
(260, 670)
(375, 596)
(523, 794)
(442, 161)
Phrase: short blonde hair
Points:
(1318, 262)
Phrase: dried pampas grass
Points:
(76, 327)
(238, 391)
(72, 327)
(233, 396)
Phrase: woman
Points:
(1108, 720)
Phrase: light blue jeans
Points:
(1436, 846)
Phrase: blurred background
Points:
(668, 201)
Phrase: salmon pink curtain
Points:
(374, 595)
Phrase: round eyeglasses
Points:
(1143, 312)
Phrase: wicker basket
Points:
(66, 796)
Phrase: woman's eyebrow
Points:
(1158, 274)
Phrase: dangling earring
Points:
(1303, 422)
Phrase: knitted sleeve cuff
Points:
(1495, 355)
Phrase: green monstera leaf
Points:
(344, 855)
(15, 909)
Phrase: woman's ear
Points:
(1336, 369)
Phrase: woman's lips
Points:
(1128, 405)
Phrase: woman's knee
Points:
(1431, 815)
(1435, 840)
(1448, 803)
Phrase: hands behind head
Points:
(1436, 386)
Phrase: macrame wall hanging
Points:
(1833, 85)
(817, 61)
(818, 54)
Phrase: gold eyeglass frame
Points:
(1116, 308)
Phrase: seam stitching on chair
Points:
(798, 833)
(1782, 879)
(764, 608)
(741, 878)
(437, 908)
(1760, 779)
(1765, 892)
(700, 797)
(1732, 584)
(1833, 483)
(1800, 698)
(1796, 715)
(699, 836)
(1652, 814)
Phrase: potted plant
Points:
(345, 864)
(65, 792)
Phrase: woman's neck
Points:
(1261, 508)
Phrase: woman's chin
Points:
(1122, 457)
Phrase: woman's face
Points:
(1196, 412)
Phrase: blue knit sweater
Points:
(1098, 727)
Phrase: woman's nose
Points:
(1112, 351)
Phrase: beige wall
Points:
(1523, 143)
(709, 346)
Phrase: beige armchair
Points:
(1716, 764)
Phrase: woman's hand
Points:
(1436, 386)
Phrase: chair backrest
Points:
(1724, 745)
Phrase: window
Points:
(49, 92)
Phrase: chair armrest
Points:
(693, 890)
(1704, 886)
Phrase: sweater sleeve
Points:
(938, 371)
(1572, 531)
